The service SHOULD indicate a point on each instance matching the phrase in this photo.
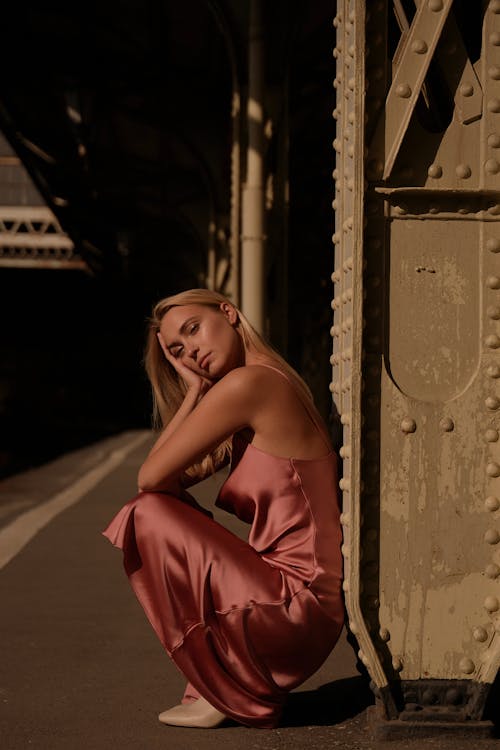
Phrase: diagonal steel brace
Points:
(414, 61)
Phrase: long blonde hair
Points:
(168, 388)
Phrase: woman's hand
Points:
(192, 380)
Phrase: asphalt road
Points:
(80, 667)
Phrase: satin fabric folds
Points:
(245, 622)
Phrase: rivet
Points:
(362, 657)
(495, 38)
(351, 84)
(403, 91)
(492, 503)
(494, 140)
(493, 312)
(494, 210)
(408, 425)
(351, 50)
(494, 72)
(345, 550)
(419, 46)
(384, 635)
(491, 436)
(495, 6)
(463, 170)
(335, 174)
(350, 151)
(353, 626)
(480, 634)
(493, 469)
(492, 403)
(466, 89)
(491, 603)
(493, 371)
(435, 5)
(493, 245)
(492, 570)
(345, 484)
(435, 171)
(345, 585)
(447, 424)
(429, 697)
(492, 166)
(466, 666)
(345, 418)
(492, 341)
(493, 282)
(494, 105)
(491, 536)
(397, 664)
(345, 518)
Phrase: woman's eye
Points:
(193, 328)
(178, 352)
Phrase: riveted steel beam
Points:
(416, 368)
(414, 61)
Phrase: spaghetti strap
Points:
(308, 405)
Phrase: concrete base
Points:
(397, 729)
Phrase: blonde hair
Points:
(168, 388)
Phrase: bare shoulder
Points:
(247, 377)
(252, 382)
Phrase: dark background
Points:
(135, 184)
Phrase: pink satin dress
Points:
(246, 622)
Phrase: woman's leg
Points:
(198, 584)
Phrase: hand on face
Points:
(191, 379)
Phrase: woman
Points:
(245, 622)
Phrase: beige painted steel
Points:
(347, 306)
(416, 338)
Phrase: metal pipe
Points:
(253, 237)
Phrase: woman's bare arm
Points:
(227, 407)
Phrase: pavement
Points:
(80, 667)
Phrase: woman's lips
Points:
(204, 361)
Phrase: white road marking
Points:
(17, 534)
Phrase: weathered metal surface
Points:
(416, 334)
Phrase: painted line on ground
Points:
(17, 534)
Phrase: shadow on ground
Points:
(330, 704)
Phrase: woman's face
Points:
(204, 338)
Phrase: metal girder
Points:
(413, 64)
(416, 368)
(31, 237)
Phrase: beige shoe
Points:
(196, 714)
